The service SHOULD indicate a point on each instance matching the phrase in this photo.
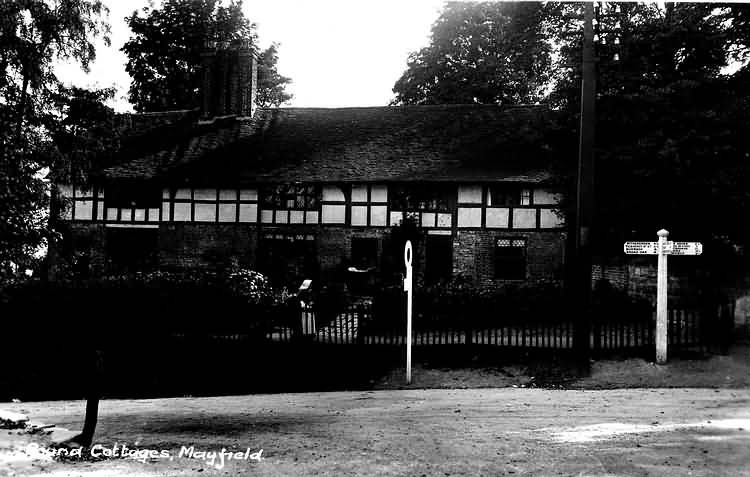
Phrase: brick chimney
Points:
(230, 78)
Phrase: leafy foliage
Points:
(192, 300)
(488, 52)
(460, 304)
(669, 141)
(164, 53)
(670, 151)
(270, 83)
(34, 34)
(86, 132)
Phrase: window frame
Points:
(502, 260)
(132, 195)
(423, 197)
(305, 197)
(509, 196)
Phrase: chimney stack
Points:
(230, 77)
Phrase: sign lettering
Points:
(670, 248)
(641, 248)
(687, 248)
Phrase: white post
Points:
(661, 299)
(408, 288)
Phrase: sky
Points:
(338, 53)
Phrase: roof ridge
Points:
(407, 106)
(158, 113)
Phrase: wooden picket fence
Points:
(356, 325)
(683, 329)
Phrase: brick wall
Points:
(229, 80)
(616, 275)
(84, 239)
(638, 278)
(474, 255)
(206, 245)
(194, 245)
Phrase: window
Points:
(289, 258)
(333, 208)
(510, 259)
(364, 252)
(508, 196)
(129, 194)
(79, 203)
(369, 205)
(291, 196)
(423, 197)
(132, 249)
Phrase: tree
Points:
(487, 53)
(35, 33)
(668, 121)
(270, 83)
(85, 131)
(164, 53)
(669, 144)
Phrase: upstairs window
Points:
(503, 196)
(291, 197)
(423, 197)
(133, 195)
(78, 203)
(369, 205)
(510, 258)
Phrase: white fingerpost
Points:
(408, 289)
(661, 298)
(662, 248)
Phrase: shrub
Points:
(612, 304)
(237, 301)
(459, 304)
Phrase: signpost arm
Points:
(661, 299)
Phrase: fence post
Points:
(360, 321)
(596, 326)
(726, 323)
(468, 329)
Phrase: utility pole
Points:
(585, 189)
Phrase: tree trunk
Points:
(89, 426)
(93, 395)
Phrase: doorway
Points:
(438, 258)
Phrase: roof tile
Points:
(427, 143)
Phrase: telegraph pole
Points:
(585, 189)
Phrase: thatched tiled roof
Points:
(405, 143)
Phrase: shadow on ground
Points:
(204, 367)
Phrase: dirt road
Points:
(664, 432)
